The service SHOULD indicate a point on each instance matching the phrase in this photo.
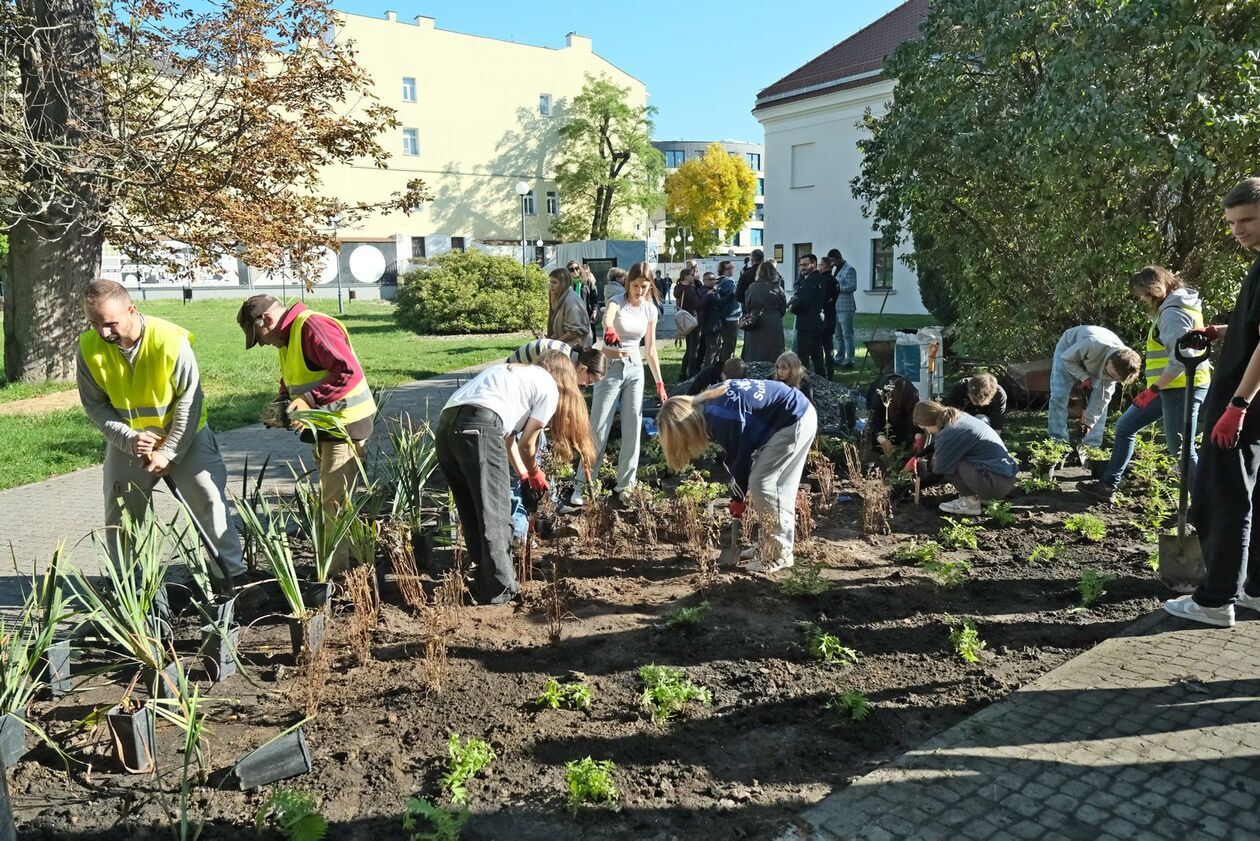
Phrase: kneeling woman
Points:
(968, 453)
(491, 426)
(765, 429)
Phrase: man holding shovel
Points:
(1226, 491)
(138, 382)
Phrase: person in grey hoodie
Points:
(1097, 359)
(968, 453)
(1175, 311)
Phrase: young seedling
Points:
(573, 696)
(805, 581)
(1152, 561)
(687, 617)
(919, 553)
(947, 572)
(667, 691)
(851, 704)
(1000, 513)
(591, 781)
(1044, 554)
(959, 534)
(466, 760)
(1088, 526)
(1092, 587)
(424, 821)
(966, 641)
(293, 814)
(1036, 484)
(827, 647)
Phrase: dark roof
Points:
(861, 53)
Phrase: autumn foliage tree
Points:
(144, 123)
(605, 164)
(1038, 153)
(710, 196)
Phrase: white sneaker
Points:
(968, 505)
(1187, 608)
(758, 565)
(1249, 602)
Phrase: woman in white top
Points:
(628, 320)
(490, 426)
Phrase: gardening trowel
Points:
(731, 551)
(1180, 556)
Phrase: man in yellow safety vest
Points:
(139, 383)
(318, 370)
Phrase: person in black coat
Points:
(831, 291)
(748, 276)
(808, 300)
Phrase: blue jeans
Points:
(621, 386)
(1061, 382)
(844, 338)
(1167, 406)
(520, 517)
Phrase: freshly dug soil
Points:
(743, 768)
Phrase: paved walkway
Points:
(35, 518)
(1153, 734)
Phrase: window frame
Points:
(679, 157)
(550, 103)
(530, 204)
(413, 135)
(553, 203)
(419, 249)
(414, 91)
(878, 262)
(748, 158)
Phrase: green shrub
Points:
(668, 691)
(293, 814)
(472, 292)
(917, 552)
(1088, 526)
(687, 617)
(426, 822)
(465, 760)
(966, 640)
(850, 703)
(1092, 586)
(959, 534)
(590, 781)
(573, 696)
(948, 572)
(827, 647)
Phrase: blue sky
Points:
(702, 61)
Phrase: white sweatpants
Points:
(776, 475)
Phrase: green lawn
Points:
(237, 382)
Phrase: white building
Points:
(741, 243)
(812, 121)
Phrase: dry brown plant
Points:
(804, 515)
(314, 671)
(876, 495)
(366, 610)
(557, 590)
(397, 540)
(441, 619)
(823, 472)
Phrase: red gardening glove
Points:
(660, 393)
(1087, 384)
(911, 466)
(1202, 338)
(536, 479)
(738, 507)
(611, 338)
(919, 441)
(1228, 428)
(1146, 397)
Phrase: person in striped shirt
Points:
(590, 363)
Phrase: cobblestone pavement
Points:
(35, 518)
(1152, 734)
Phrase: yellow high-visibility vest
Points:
(143, 392)
(300, 380)
(1157, 356)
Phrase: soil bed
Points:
(743, 767)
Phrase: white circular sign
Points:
(367, 264)
(326, 265)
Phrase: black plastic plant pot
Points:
(315, 594)
(279, 759)
(12, 739)
(308, 632)
(217, 651)
(423, 542)
(167, 684)
(133, 738)
(57, 668)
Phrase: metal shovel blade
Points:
(1180, 562)
(731, 551)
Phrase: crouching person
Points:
(968, 453)
(489, 432)
(765, 429)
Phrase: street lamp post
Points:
(522, 188)
(335, 219)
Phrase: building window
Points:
(803, 165)
(754, 160)
(799, 250)
(761, 186)
(417, 248)
(755, 236)
(411, 141)
(457, 244)
(778, 254)
(544, 104)
(736, 241)
(674, 158)
(527, 202)
(553, 203)
(409, 89)
(881, 265)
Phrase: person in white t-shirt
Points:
(628, 321)
(489, 427)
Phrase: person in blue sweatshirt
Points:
(765, 429)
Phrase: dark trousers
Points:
(708, 348)
(693, 342)
(1225, 508)
(728, 338)
(829, 347)
(471, 454)
(809, 347)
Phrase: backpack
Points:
(684, 323)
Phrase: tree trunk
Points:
(55, 242)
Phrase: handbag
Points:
(750, 320)
(684, 323)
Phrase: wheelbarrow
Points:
(1180, 555)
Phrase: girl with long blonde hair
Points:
(968, 453)
(765, 429)
(789, 370)
(567, 318)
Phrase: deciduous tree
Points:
(606, 166)
(143, 123)
(709, 195)
(1042, 151)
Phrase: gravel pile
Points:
(834, 402)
